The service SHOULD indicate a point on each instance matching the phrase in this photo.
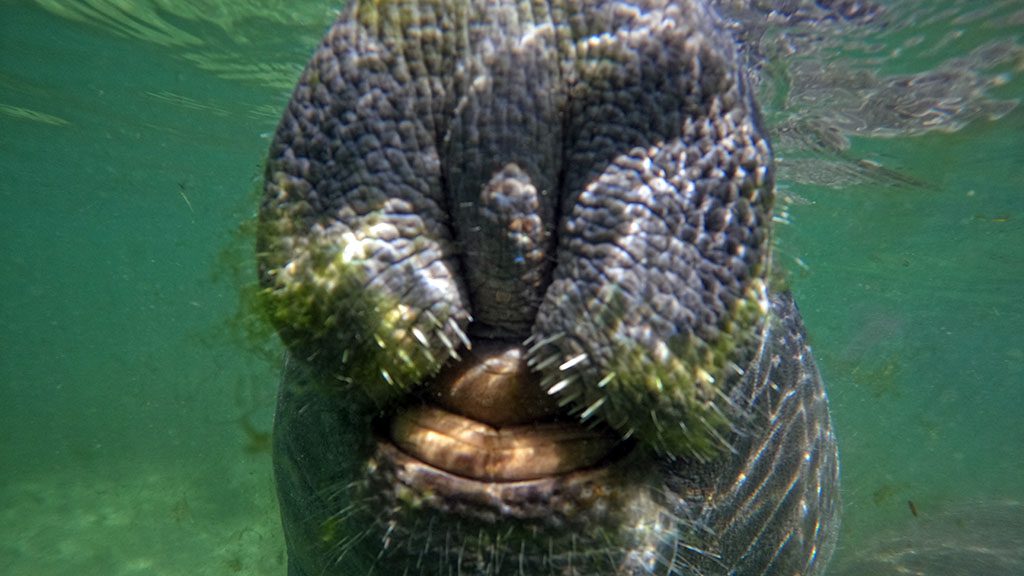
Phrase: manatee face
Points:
(517, 252)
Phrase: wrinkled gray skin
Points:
(623, 143)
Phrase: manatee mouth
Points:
(484, 438)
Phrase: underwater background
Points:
(137, 383)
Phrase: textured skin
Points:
(770, 508)
(629, 152)
(590, 178)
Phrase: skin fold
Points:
(589, 184)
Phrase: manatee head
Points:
(520, 248)
(591, 182)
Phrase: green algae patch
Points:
(674, 397)
(325, 314)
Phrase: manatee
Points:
(520, 256)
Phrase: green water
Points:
(136, 398)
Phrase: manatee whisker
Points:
(333, 492)
(447, 344)
(419, 336)
(404, 357)
(460, 333)
(594, 407)
(551, 339)
(426, 542)
(568, 399)
(432, 318)
(657, 421)
(561, 385)
(348, 511)
(717, 435)
(386, 537)
(541, 365)
(686, 567)
(343, 547)
(430, 356)
(726, 400)
(574, 361)
(521, 559)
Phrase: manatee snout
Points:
(590, 181)
(519, 255)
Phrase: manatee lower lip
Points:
(580, 497)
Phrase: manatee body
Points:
(519, 254)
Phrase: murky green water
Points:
(136, 399)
